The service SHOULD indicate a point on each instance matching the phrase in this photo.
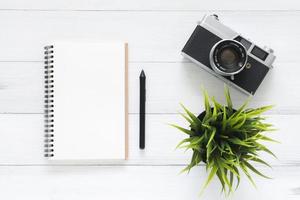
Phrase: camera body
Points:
(227, 55)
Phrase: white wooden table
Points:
(156, 31)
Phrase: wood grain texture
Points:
(135, 183)
(169, 84)
(156, 32)
(152, 36)
(145, 5)
(21, 88)
(22, 141)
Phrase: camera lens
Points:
(228, 57)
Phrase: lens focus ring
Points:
(228, 57)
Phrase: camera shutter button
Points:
(216, 16)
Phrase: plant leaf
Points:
(212, 135)
(247, 174)
(224, 174)
(218, 106)
(182, 142)
(239, 142)
(207, 106)
(223, 164)
(231, 178)
(265, 149)
(196, 140)
(241, 109)
(224, 120)
(238, 177)
(189, 132)
(228, 99)
(210, 177)
(221, 181)
(255, 170)
(195, 119)
(255, 159)
(186, 118)
(263, 137)
(258, 111)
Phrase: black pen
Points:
(142, 108)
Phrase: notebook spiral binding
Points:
(49, 106)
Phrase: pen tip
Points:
(142, 74)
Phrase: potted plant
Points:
(226, 140)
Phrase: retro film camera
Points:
(227, 55)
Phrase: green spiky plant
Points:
(226, 140)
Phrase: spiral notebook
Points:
(86, 97)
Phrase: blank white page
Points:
(89, 100)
